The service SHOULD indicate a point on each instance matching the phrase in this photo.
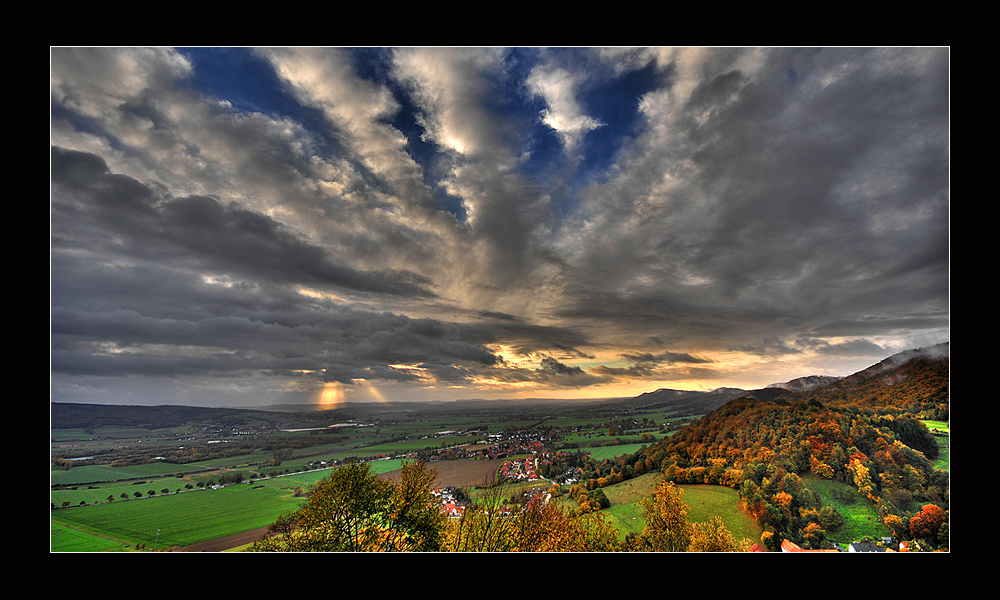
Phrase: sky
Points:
(235, 226)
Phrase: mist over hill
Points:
(804, 384)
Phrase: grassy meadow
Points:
(703, 501)
(184, 518)
(860, 517)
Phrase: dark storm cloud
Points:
(809, 185)
(805, 179)
(663, 358)
(198, 232)
(552, 366)
(131, 321)
(648, 365)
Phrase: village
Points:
(453, 501)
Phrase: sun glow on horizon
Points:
(331, 395)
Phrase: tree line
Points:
(354, 510)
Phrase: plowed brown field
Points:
(459, 473)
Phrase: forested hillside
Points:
(863, 430)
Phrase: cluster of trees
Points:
(579, 465)
(589, 501)
(355, 510)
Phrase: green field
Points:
(860, 517)
(707, 501)
(703, 501)
(625, 511)
(66, 539)
(942, 434)
(100, 473)
(183, 519)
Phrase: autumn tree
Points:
(897, 525)
(491, 525)
(927, 523)
(813, 536)
(665, 515)
(355, 510)
(542, 526)
(484, 526)
(830, 519)
(713, 536)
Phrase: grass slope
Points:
(860, 517)
(704, 502)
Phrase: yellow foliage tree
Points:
(354, 510)
(713, 536)
(538, 526)
(862, 478)
(665, 515)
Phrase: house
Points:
(787, 546)
(865, 547)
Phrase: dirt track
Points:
(224, 543)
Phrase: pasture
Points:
(185, 518)
(703, 501)
(860, 517)
(942, 434)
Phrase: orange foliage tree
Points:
(927, 523)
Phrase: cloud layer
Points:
(252, 226)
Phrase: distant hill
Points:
(914, 382)
(66, 415)
(696, 402)
(805, 384)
